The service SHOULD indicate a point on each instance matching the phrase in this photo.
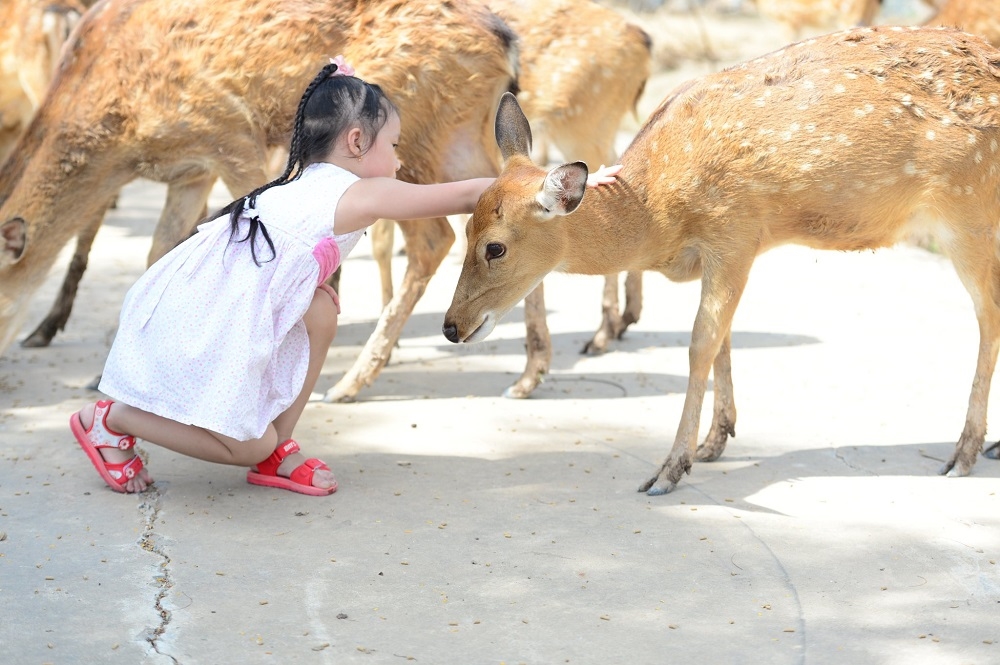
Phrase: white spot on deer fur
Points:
(906, 100)
(910, 168)
(808, 84)
(994, 99)
(978, 157)
(828, 187)
(850, 75)
(969, 190)
(811, 127)
(688, 147)
(842, 138)
(930, 134)
(994, 145)
(972, 139)
(928, 74)
(815, 151)
(839, 88)
(806, 167)
(760, 101)
(887, 122)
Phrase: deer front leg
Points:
(58, 315)
(720, 293)
(537, 343)
(382, 233)
(724, 409)
(427, 244)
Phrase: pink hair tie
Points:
(343, 69)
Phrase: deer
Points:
(842, 142)
(575, 104)
(979, 17)
(184, 93)
(798, 15)
(32, 33)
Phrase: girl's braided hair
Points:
(331, 105)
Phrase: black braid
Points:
(292, 171)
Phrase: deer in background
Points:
(821, 15)
(841, 142)
(32, 33)
(183, 93)
(980, 17)
(583, 67)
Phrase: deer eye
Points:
(494, 250)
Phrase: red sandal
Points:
(300, 480)
(101, 436)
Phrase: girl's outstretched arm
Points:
(371, 199)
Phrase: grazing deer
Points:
(32, 33)
(980, 17)
(185, 92)
(583, 67)
(840, 142)
(798, 15)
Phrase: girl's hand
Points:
(333, 294)
(605, 175)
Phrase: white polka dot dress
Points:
(209, 338)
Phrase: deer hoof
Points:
(955, 468)
(993, 452)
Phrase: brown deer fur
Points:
(842, 142)
(185, 91)
(32, 33)
(583, 68)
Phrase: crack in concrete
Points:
(147, 541)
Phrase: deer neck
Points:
(610, 232)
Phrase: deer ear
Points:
(12, 241)
(512, 129)
(563, 189)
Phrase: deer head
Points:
(500, 254)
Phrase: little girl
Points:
(222, 340)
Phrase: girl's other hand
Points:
(605, 175)
(333, 294)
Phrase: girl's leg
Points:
(187, 440)
(321, 326)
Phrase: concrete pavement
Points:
(473, 529)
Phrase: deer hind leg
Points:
(427, 244)
(538, 344)
(720, 293)
(724, 408)
(614, 322)
(183, 207)
(59, 313)
(633, 301)
(978, 266)
(611, 319)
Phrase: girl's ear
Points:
(354, 142)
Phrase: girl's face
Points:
(381, 160)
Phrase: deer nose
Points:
(450, 331)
